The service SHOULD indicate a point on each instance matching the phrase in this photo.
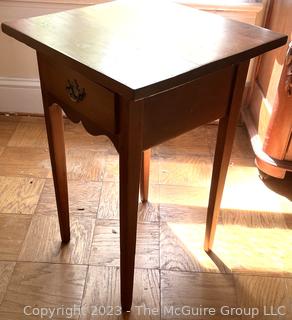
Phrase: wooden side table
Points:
(140, 73)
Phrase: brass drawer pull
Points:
(76, 94)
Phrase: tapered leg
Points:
(55, 132)
(130, 166)
(144, 182)
(225, 136)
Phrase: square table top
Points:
(138, 48)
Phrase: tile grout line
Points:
(84, 291)
(165, 270)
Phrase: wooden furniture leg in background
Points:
(130, 168)
(225, 137)
(145, 170)
(55, 132)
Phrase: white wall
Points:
(19, 80)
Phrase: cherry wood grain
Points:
(184, 107)
(145, 171)
(130, 145)
(98, 104)
(117, 43)
(55, 131)
(225, 136)
(282, 113)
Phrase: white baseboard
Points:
(20, 95)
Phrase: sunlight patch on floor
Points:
(247, 196)
(240, 248)
(243, 191)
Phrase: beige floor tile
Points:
(85, 165)
(253, 237)
(246, 191)
(281, 188)
(182, 214)
(30, 132)
(44, 285)
(7, 129)
(83, 198)
(109, 203)
(25, 162)
(253, 219)
(17, 316)
(13, 229)
(77, 137)
(182, 248)
(266, 295)
(288, 282)
(106, 296)
(111, 172)
(195, 290)
(242, 170)
(35, 162)
(6, 269)
(241, 146)
(184, 196)
(30, 118)
(43, 242)
(185, 170)
(19, 195)
(288, 220)
(148, 212)
(254, 243)
(105, 250)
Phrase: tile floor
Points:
(250, 267)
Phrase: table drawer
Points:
(80, 95)
(174, 112)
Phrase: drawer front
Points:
(81, 96)
(174, 112)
